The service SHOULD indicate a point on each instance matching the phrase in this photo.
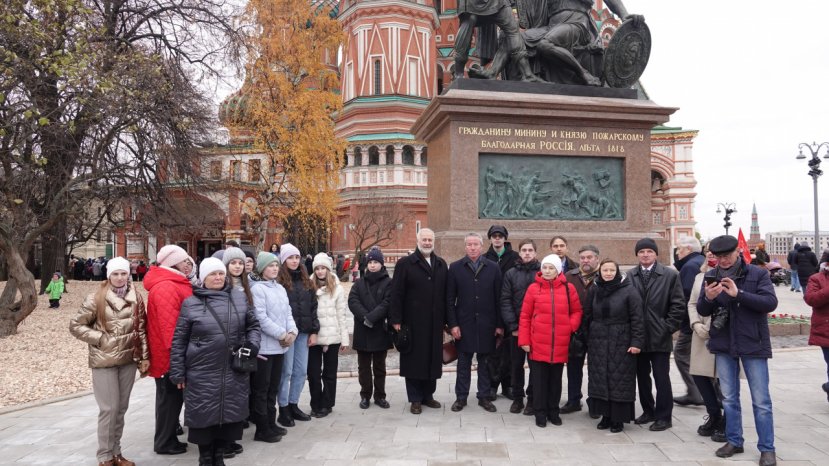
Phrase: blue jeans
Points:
(795, 280)
(757, 373)
(294, 371)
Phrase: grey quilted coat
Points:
(611, 370)
(214, 394)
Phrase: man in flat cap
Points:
(664, 306)
(738, 297)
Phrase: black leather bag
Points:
(241, 358)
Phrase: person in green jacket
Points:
(55, 290)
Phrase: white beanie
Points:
(117, 263)
(323, 260)
(552, 259)
(210, 265)
(287, 250)
(171, 255)
(232, 253)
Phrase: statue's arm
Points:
(617, 7)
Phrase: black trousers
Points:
(372, 363)
(420, 390)
(500, 367)
(322, 375)
(546, 387)
(711, 395)
(662, 408)
(517, 359)
(575, 375)
(168, 402)
(266, 387)
(464, 376)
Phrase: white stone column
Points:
(398, 155)
(349, 154)
(364, 156)
(417, 152)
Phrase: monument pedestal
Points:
(542, 165)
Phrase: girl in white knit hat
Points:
(332, 338)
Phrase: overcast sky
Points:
(752, 78)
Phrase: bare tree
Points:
(377, 220)
(98, 101)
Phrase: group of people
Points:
(234, 305)
(504, 305)
(555, 312)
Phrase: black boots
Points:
(285, 417)
(205, 455)
(272, 423)
(264, 432)
(297, 413)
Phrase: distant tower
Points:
(754, 237)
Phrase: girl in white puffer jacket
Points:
(331, 339)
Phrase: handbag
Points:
(578, 339)
(402, 339)
(241, 359)
(450, 352)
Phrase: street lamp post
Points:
(814, 172)
(729, 208)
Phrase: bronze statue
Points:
(472, 13)
(564, 46)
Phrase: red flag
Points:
(741, 244)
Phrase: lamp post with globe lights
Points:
(815, 172)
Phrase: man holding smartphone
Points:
(739, 296)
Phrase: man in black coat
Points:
(501, 252)
(473, 291)
(805, 263)
(791, 259)
(558, 246)
(583, 279)
(418, 302)
(664, 305)
(515, 284)
(689, 260)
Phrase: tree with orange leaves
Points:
(291, 96)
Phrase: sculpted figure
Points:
(550, 41)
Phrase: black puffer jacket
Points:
(303, 304)
(805, 263)
(369, 300)
(663, 304)
(214, 393)
(515, 284)
(508, 259)
(615, 326)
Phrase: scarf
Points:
(605, 288)
(121, 291)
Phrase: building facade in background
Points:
(396, 57)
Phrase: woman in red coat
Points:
(817, 296)
(550, 314)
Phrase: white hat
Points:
(117, 263)
(287, 250)
(552, 259)
(210, 265)
(323, 260)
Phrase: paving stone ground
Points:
(64, 432)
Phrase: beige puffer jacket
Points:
(110, 343)
(331, 313)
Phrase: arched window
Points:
(389, 155)
(358, 156)
(378, 78)
(408, 155)
(423, 157)
(373, 155)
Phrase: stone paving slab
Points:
(64, 432)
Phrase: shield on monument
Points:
(627, 54)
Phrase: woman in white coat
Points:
(331, 339)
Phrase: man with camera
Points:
(738, 297)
